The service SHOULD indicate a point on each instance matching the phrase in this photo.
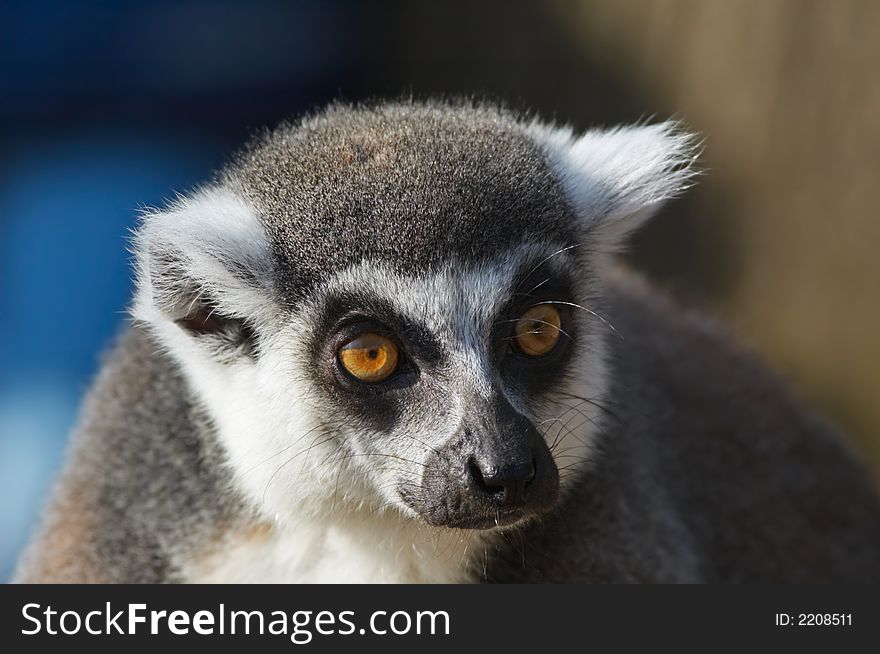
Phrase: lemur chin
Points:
(390, 343)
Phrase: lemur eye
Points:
(537, 330)
(370, 357)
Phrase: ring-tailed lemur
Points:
(389, 343)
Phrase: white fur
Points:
(327, 525)
(617, 178)
(202, 235)
(354, 547)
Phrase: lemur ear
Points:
(203, 264)
(617, 178)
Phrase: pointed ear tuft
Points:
(617, 178)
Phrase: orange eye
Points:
(538, 330)
(371, 358)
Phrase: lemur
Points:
(393, 343)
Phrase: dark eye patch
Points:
(375, 406)
(536, 285)
(345, 309)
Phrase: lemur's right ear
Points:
(204, 264)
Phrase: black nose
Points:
(496, 470)
(506, 484)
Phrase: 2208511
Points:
(814, 620)
(824, 619)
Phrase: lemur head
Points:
(400, 307)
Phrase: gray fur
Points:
(691, 462)
(409, 184)
(154, 488)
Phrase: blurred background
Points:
(107, 107)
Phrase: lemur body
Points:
(390, 344)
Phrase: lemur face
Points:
(401, 307)
(460, 391)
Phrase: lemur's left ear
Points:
(617, 178)
(203, 266)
